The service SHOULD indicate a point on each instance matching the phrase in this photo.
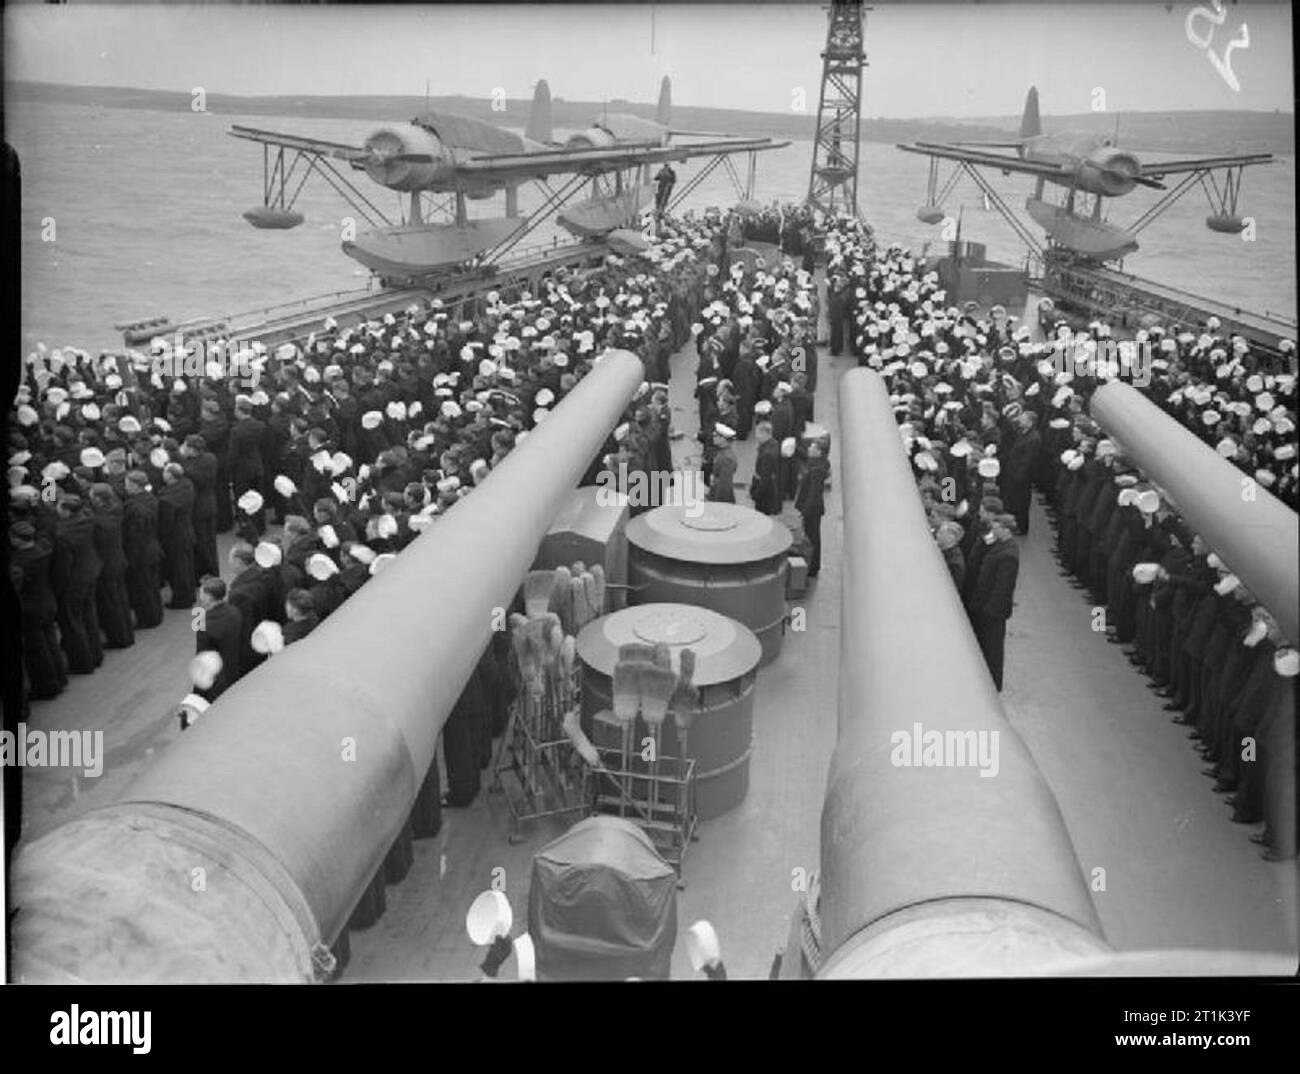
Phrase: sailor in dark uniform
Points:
(836, 311)
(706, 393)
(810, 502)
(467, 742)
(745, 378)
(143, 552)
(30, 556)
(176, 533)
(214, 427)
(221, 632)
(112, 603)
(995, 592)
(801, 404)
(665, 180)
(76, 573)
(782, 432)
(721, 479)
(764, 488)
(244, 459)
(1017, 474)
(201, 467)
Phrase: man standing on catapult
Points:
(664, 182)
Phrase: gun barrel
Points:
(963, 866)
(1254, 532)
(252, 838)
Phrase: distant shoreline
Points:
(1190, 131)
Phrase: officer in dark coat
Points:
(467, 744)
(664, 182)
(201, 467)
(783, 430)
(974, 547)
(176, 533)
(1016, 478)
(836, 311)
(764, 488)
(112, 602)
(723, 474)
(221, 631)
(244, 459)
(745, 379)
(810, 502)
(76, 573)
(30, 557)
(995, 593)
(801, 404)
(249, 592)
(948, 536)
(143, 552)
(214, 427)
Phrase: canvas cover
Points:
(602, 904)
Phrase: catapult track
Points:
(292, 322)
(1123, 299)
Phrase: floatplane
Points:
(1088, 165)
(455, 158)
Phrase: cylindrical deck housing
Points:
(722, 556)
(721, 736)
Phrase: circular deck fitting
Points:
(721, 556)
(709, 533)
(724, 649)
(727, 654)
(713, 518)
(671, 626)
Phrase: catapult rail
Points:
(293, 321)
(1120, 298)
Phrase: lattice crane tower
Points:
(833, 177)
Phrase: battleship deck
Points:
(1175, 871)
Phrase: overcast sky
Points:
(925, 59)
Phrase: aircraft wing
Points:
(540, 163)
(1171, 167)
(338, 150)
(987, 160)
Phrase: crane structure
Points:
(833, 176)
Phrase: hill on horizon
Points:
(1175, 132)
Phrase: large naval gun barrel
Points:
(1254, 532)
(943, 850)
(246, 846)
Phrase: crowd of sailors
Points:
(124, 469)
(356, 439)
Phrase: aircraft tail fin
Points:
(1030, 125)
(664, 113)
(539, 115)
